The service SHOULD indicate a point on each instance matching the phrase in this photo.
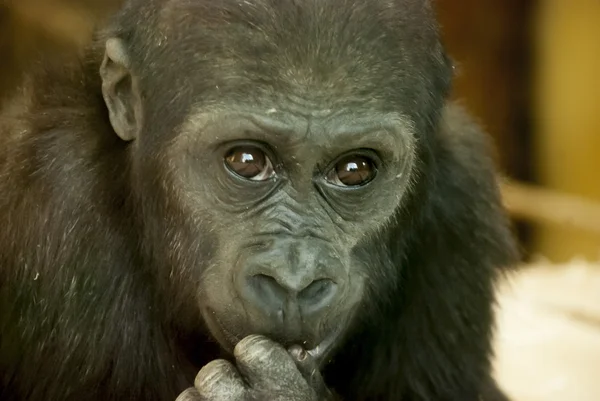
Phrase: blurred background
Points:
(529, 71)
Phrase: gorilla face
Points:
(279, 174)
(291, 198)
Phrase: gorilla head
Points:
(281, 168)
(272, 142)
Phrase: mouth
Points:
(320, 353)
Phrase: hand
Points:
(264, 371)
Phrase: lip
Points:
(323, 350)
(319, 353)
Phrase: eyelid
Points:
(226, 147)
(370, 154)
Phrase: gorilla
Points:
(248, 200)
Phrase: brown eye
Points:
(352, 171)
(249, 162)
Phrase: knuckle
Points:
(188, 395)
(253, 346)
(212, 373)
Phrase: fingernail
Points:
(302, 354)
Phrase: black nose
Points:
(271, 293)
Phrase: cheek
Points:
(354, 293)
(217, 284)
(379, 275)
(217, 290)
(220, 305)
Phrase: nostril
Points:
(316, 289)
(269, 292)
(267, 288)
(318, 293)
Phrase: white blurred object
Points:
(548, 337)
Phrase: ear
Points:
(120, 90)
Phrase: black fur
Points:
(90, 308)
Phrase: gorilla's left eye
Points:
(249, 162)
(352, 171)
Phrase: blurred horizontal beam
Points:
(543, 205)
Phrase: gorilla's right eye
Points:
(249, 162)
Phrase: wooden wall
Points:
(530, 71)
(490, 41)
(491, 45)
(567, 115)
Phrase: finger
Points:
(266, 364)
(219, 380)
(309, 368)
(189, 395)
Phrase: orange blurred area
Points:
(28, 27)
(528, 70)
